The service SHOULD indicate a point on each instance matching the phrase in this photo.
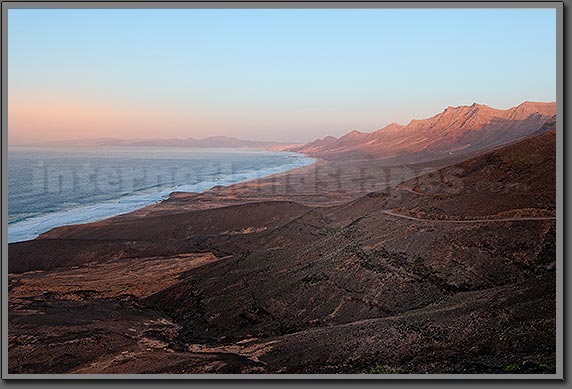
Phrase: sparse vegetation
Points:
(530, 367)
(380, 368)
(512, 368)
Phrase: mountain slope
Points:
(345, 264)
(516, 179)
(456, 130)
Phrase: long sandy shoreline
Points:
(33, 227)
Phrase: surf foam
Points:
(33, 227)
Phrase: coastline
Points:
(33, 227)
(313, 182)
(323, 183)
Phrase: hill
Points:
(455, 131)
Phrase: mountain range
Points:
(460, 130)
(454, 131)
(211, 141)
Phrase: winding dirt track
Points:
(510, 219)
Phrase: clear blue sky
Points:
(290, 75)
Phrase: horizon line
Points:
(268, 142)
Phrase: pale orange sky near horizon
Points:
(86, 74)
(57, 120)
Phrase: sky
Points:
(281, 75)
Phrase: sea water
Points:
(52, 187)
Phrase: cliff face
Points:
(456, 130)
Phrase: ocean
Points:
(52, 187)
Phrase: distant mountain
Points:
(456, 130)
(212, 141)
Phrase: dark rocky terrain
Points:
(452, 271)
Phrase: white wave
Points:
(33, 227)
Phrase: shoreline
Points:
(317, 182)
(314, 182)
(33, 227)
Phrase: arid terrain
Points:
(360, 263)
(455, 131)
